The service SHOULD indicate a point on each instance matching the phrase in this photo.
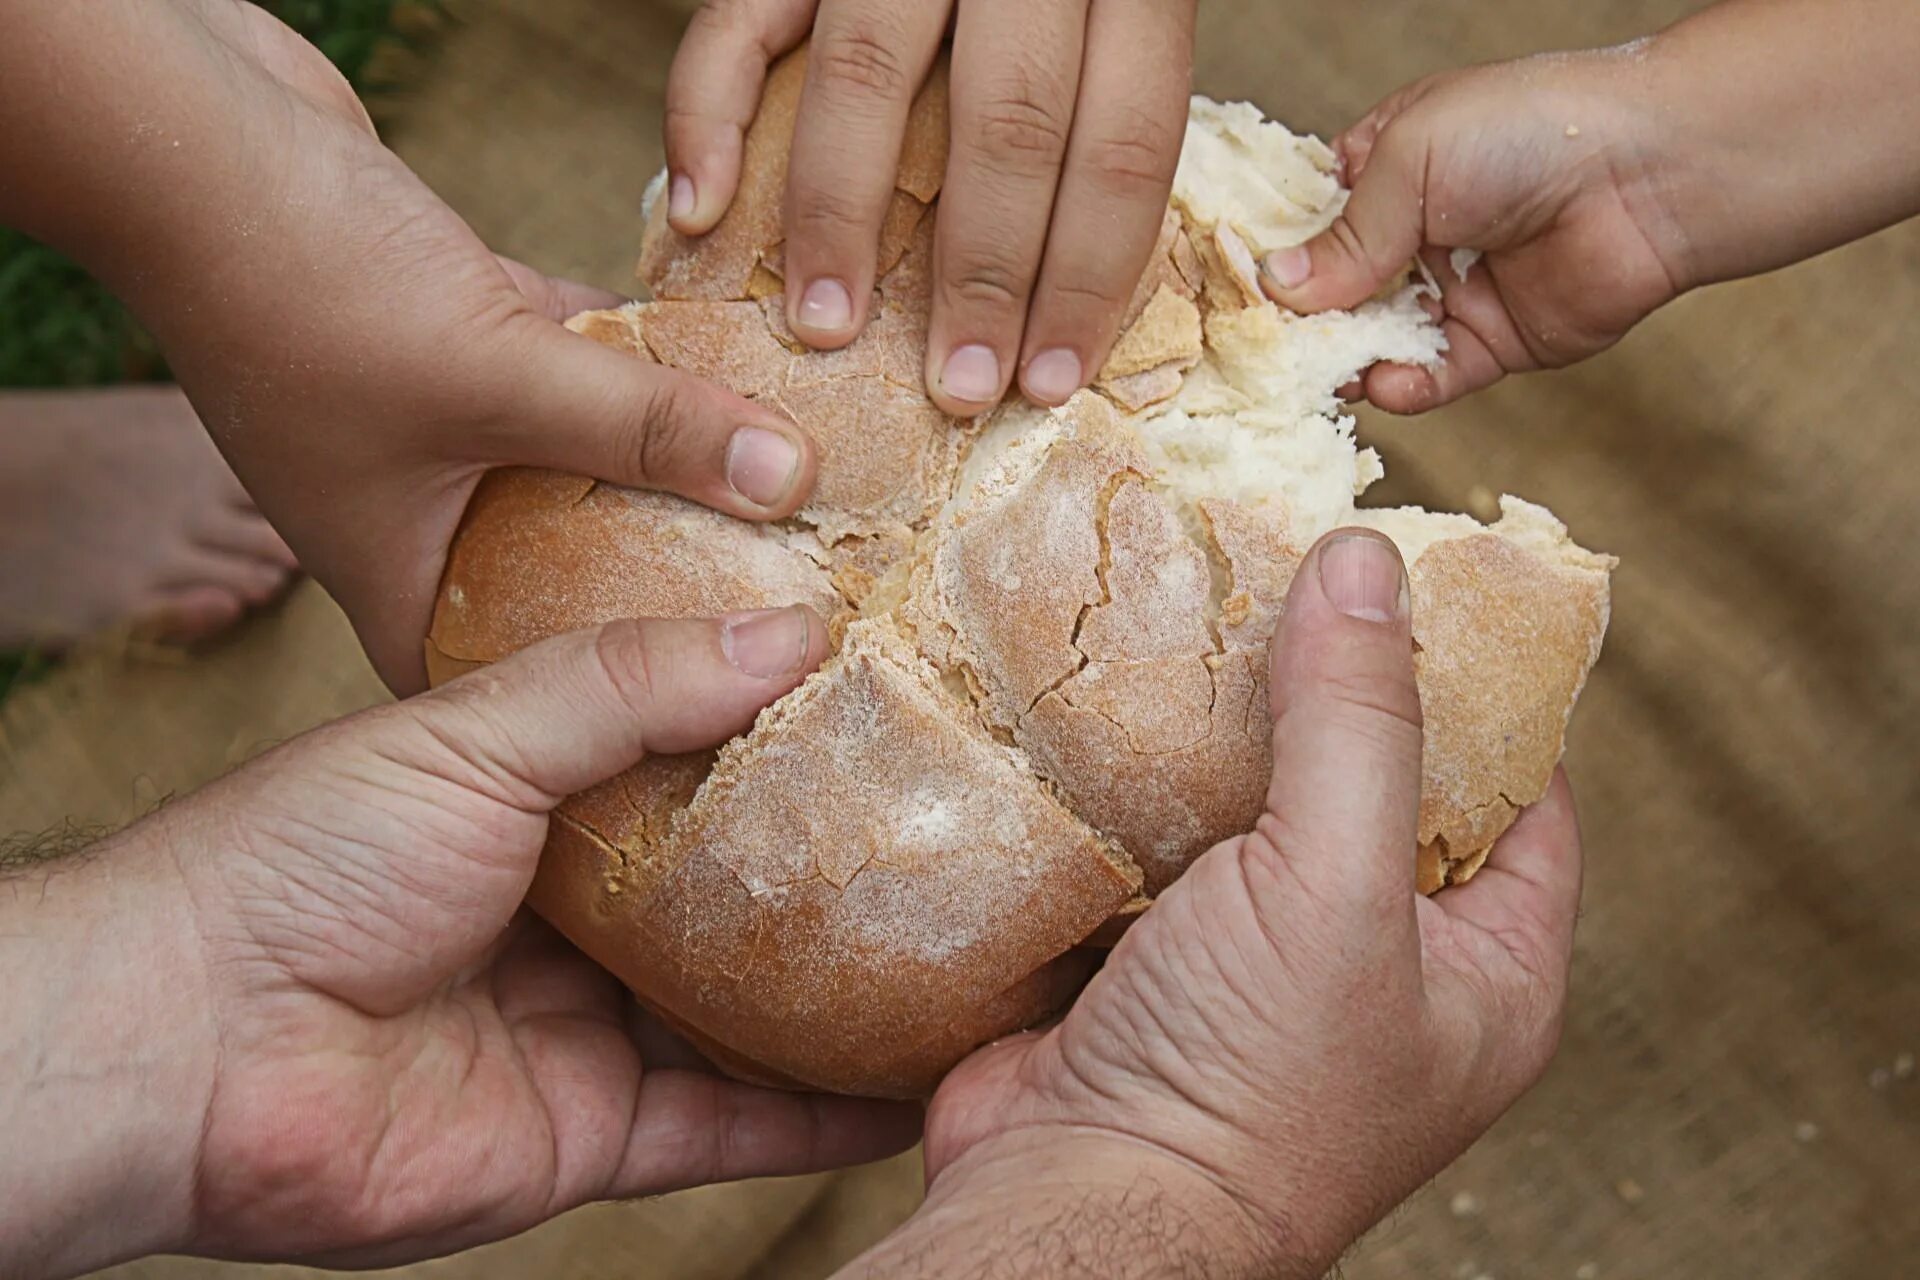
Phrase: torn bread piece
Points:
(1050, 689)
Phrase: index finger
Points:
(1527, 896)
(713, 92)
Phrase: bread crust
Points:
(1049, 695)
(856, 945)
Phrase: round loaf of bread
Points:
(1049, 691)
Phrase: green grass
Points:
(59, 328)
(350, 32)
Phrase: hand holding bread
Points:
(301, 1013)
(1051, 626)
(1557, 201)
(354, 349)
(1053, 147)
(1292, 1040)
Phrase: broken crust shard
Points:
(1050, 692)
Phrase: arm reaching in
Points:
(355, 351)
(1600, 186)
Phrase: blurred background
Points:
(1736, 1094)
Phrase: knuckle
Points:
(1346, 237)
(625, 659)
(1272, 838)
(1137, 163)
(1385, 703)
(661, 431)
(824, 211)
(863, 62)
(1084, 293)
(982, 279)
(686, 121)
(1020, 129)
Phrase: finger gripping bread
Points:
(1049, 691)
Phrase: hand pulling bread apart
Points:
(1051, 686)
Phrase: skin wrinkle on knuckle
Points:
(1018, 132)
(814, 1141)
(862, 64)
(1135, 165)
(1350, 686)
(982, 278)
(1090, 284)
(659, 429)
(679, 117)
(824, 210)
(626, 661)
(726, 1130)
(1273, 848)
(1347, 236)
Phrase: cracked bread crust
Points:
(1050, 693)
(859, 945)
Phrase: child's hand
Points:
(354, 349)
(1601, 185)
(1543, 166)
(1067, 124)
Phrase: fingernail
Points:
(1362, 578)
(680, 197)
(768, 644)
(1053, 376)
(972, 374)
(1289, 268)
(826, 307)
(761, 465)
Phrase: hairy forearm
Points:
(105, 1043)
(1786, 127)
(1082, 1205)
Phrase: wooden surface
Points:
(1728, 1102)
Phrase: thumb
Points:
(1372, 240)
(588, 409)
(575, 710)
(439, 804)
(1343, 806)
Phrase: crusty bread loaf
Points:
(1050, 690)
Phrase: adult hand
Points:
(1067, 121)
(1293, 1039)
(344, 1041)
(354, 349)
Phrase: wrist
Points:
(1072, 1201)
(1775, 123)
(106, 1056)
(1607, 109)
